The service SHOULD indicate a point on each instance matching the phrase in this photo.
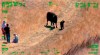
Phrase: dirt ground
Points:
(28, 22)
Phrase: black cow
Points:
(52, 18)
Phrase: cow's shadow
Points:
(60, 29)
(51, 28)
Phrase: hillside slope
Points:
(28, 22)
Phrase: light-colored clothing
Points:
(15, 40)
(3, 24)
(2, 28)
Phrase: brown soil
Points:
(28, 22)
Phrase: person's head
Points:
(7, 25)
(14, 34)
(4, 21)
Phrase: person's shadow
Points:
(51, 28)
(60, 29)
(4, 42)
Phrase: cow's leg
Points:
(56, 25)
(47, 23)
(51, 24)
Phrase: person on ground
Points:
(15, 40)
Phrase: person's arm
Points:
(9, 29)
(4, 28)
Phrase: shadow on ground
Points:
(4, 42)
(50, 28)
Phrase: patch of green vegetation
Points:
(9, 4)
(4, 50)
(3, 37)
(45, 52)
(83, 5)
(93, 53)
(3, 4)
(56, 51)
(50, 3)
(76, 4)
(95, 5)
(89, 4)
(3, 44)
(5, 17)
(15, 3)
(94, 49)
(94, 46)
(52, 28)
(4, 11)
(22, 52)
(20, 4)
(14, 53)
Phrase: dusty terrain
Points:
(28, 22)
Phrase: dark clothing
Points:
(8, 37)
(62, 24)
(7, 32)
(3, 32)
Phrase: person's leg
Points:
(8, 38)
(14, 41)
(61, 27)
(4, 36)
(2, 30)
(56, 25)
(3, 33)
